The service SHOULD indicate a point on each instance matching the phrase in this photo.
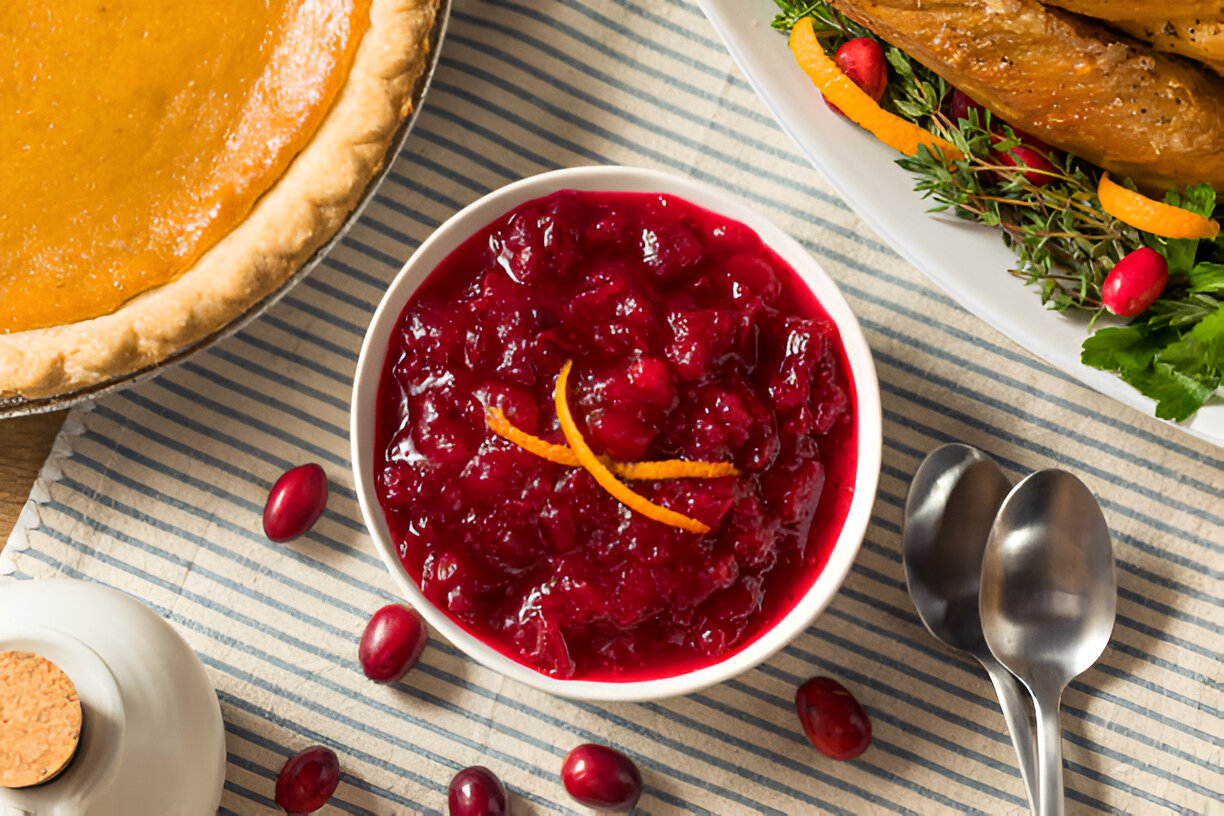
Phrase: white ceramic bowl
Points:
(619, 179)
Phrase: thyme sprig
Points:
(1065, 244)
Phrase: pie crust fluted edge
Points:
(305, 207)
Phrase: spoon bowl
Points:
(949, 510)
(1049, 592)
(1048, 600)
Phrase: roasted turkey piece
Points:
(1067, 80)
(1146, 10)
(1191, 37)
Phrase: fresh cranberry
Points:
(295, 503)
(862, 59)
(1135, 282)
(476, 791)
(832, 719)
(960, 104)
(1029, 140)
(391, 643)
(308, 780)
(1041, 170)
(599, 777)
(1031, 152)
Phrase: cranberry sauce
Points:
(690, 339)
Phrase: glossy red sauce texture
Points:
(690, 339)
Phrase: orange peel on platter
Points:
(1150, 215)
(859, 107)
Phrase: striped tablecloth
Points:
(158, 491)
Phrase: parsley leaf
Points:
(1122, 348)
(1206, 278)
(1179, 370)
(1181, 252)
(1200, 351)
(1199, 198)
(1177, 395)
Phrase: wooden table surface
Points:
(24, 444)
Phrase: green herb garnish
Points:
(1064, 242)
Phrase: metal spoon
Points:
(950, 507)
(1049, 595)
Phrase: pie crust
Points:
(317, 192)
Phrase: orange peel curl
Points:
(1150, 215)
(604, 477)
(899, 134)
(659, 470)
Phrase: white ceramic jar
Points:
(152, 739)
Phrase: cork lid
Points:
(40, 719)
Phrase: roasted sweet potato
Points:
(1067, 80)
(1200, 40)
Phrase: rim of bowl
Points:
(618, 178)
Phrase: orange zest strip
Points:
(496, 419)
(671, 469)
(861, 109)
(604, 477)
(634, 471)
(1150, 215)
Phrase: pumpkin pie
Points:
(166, 166)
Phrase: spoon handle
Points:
(1049, 755)
(1012, 699)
